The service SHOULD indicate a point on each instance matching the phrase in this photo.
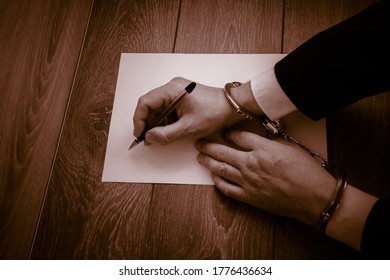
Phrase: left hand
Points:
(276, 176)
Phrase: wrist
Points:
(347, 223)
(244, 96)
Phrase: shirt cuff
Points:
(270, 96)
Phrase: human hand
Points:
(203, 112)
(275, 176)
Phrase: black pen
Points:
(167, 111)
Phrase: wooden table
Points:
(60, 63)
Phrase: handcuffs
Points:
(276, 130)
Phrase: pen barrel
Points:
(169, 109)
(164, 114)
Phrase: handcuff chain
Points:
(310, 151)
(274, 128)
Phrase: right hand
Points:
(202, 113)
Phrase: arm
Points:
(340, 65)
(282, 178)
(375, 239)
(344, 52)
(333, 69)
(348, 223)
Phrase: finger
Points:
(246, 140)
(229, 189)
(219, 168)
(221, 152)
(165, 134)
(153, 101)
(172, 132)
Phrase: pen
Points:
(168, 110)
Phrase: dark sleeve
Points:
(340, 65)
(376, 235)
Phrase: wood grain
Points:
(40, 45)
(302, 20)
(197, 222)
(230, 26)
(83, 218)
(305, 18)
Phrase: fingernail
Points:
(150, 138)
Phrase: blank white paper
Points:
(176, 163)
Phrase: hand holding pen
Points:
(164, 114)
(202, 113)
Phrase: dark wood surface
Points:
(40, 42)
(75, 215)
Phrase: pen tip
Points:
(190, 87)
(135, 143)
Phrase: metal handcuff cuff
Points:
(275, 128)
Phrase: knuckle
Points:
(221, 154)
(227, 191)
(222, 169)
(177, 83)
(142, 101)
(252, 162)
(178, 79)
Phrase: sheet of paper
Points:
(176, 163)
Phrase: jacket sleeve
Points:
(375, 242)
(340, 65)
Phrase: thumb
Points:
(167, 134)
